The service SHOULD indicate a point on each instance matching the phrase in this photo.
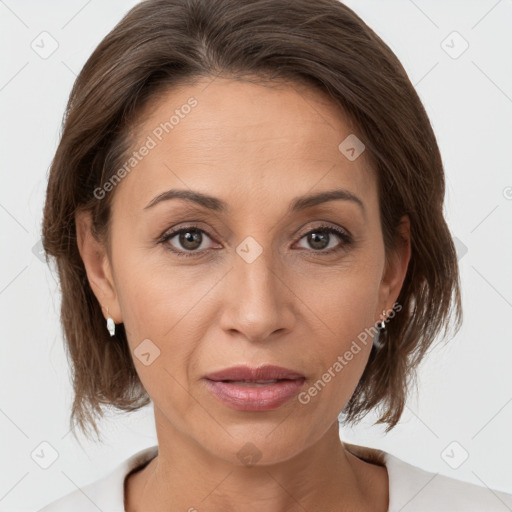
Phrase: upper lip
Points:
(265, 372)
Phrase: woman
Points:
(245, 209)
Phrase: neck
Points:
(324, 476)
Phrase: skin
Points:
(257, 148)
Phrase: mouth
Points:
(265, 374)
(255, 383)
(254, 389)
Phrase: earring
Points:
(382, 324)
(111, 326)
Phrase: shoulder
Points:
(412, 489)
(107, 493)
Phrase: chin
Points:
(256, 444)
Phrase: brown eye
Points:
(190, 239)
(186, 241)
(318, 239)
(322, 239)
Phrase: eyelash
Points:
(347, 240)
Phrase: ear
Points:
(97, 265)
(396, 268)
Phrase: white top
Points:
(411, 489)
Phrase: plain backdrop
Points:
(458, 54)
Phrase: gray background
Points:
(464, 404)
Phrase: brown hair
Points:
(161, 43)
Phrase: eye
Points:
(192, 240)
(188, 241)
(320, 239)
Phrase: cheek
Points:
(343, 323)
(165, 305)
(344, 300)
(153, 294)
(157, 308)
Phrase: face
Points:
(254, 274)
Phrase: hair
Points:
(160, 44)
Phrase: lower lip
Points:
(246, 397)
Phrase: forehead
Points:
(224, 136)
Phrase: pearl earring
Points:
(111, 326)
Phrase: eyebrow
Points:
(217, 205)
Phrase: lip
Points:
(265, 372)
(250, 395)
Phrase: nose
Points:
(258, 302)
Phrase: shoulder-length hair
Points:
(164, 43)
